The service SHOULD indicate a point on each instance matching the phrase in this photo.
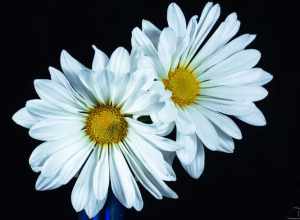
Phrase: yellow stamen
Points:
(106, 125)
(184, 85)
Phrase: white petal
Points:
(241, 93)
(138, 203)
(73, 165)
(23, 118)
(59, 77)
(183, 124)
(120, 178)
(195, 169)
(226, 142)
(189, 143)
(93, 206)
(204, 129)
(119, 61)
(43, 110)
(255, 118)
(140, 40)
(42, 152)
(207, 20)
(223, 122)
(57, 161)
(45, 183)
(100, 60)
(144, 103)
(253, 77)
(166, 48)
(74, 71)
(53, 129)
(227, 106)
(151, 31)
(221, 36)
(229, 49)
(101, 175)
(81, 189)
(151, 157)
(154, 128)
(168, 113)
(57, 95)
(243, 60)
(161, 143)
(176, 19)
(153, 184)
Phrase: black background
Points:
(260, 180)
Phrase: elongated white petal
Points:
(153, 184)
(220, 37)
(161, 143)
(101, 175)
(253, 77)
(228, 107)
(241, 93)
(183, 123)
(204, 129)
(152, 158)
(81, 189)
(73, 165)
(56, 161)
(42, 152)
(223, 122)
(151, 31)
(208, 18)
(144, 103)
(154, 128)
(43, 110)
(57, 95)
(196, 168)
(240, 61)
(92, 206)
(119, 61)
(23, 118)
(229, 49)
(140, 40)
(47, 183)
(168, 113)
(100, 60)
(166, 48)
(74, 72)
(59, 77)
(120, 178)
(255, 117)
(226, 142)
(176, 19)
(189, 143)
(53, 129)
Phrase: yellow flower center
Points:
(106, 125)
(184, 85)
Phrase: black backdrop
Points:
(260, 180)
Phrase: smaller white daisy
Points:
(205, 80)
(87, 120)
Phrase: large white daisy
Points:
(205, 79)
(87, 120)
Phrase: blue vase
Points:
(113, 210)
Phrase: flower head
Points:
(88, 122)
(206, 79)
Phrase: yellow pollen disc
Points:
(184, 85)
(106, 125)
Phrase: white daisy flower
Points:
(206, 79)
(87, 120)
